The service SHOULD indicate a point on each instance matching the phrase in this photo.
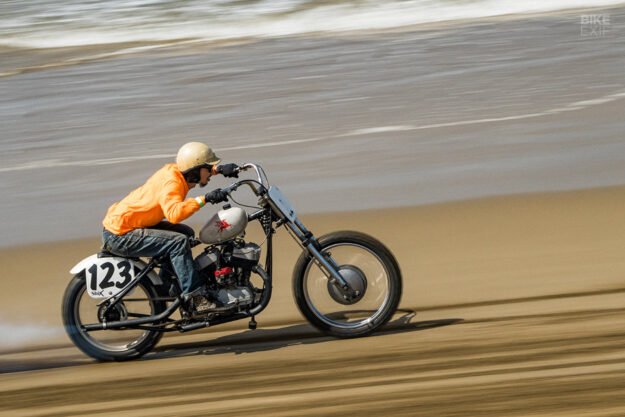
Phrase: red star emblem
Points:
(222, 224)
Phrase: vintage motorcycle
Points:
(347, 284)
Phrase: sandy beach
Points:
(512, 306)
(487, 155)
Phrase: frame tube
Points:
(132, 322)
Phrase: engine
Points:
(226, 272)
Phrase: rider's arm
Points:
(175, 208)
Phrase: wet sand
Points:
(512, 305)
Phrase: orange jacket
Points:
(161, 197)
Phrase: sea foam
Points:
(66, 23)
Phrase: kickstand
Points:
(252, 325)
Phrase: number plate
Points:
(108, 276)
(281, 203)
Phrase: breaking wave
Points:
(67, 23)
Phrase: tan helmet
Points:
(193, 155)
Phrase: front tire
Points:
(110, 345)
(368, 266)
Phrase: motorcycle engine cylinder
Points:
(207, 259)
(246, 256)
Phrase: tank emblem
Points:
(222, 224)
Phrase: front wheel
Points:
(370, 269)
(80, 309)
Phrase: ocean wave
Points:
(65, 23)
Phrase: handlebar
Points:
(251, 183)
(256, 168)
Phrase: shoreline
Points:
(356, 212)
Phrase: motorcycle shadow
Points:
(272, 339)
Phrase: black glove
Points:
(229, 170)
(216, 196)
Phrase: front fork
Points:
(328, 265)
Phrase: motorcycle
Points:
(346, 284)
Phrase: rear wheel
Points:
(110, 345)
(370, 269)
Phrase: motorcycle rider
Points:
(147, 221)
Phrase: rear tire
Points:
(102, 350)
(374, 270)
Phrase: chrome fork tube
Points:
(307, 240)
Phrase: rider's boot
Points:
(198, 301)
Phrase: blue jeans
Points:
(158, 242)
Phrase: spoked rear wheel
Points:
(370, 269)
(110, 345)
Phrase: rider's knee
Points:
(181, 243)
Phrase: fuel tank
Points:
(226, 224)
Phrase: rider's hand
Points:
(229, 170)
(216, 196)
